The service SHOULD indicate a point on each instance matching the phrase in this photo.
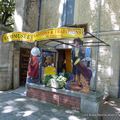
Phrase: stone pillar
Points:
(6, 55)
(16, 80)
(91, 104)
(115, 63)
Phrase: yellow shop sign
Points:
(17, 36)
(55, 33)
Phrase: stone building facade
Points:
(102, 18)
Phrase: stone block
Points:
(91, 104)
(114, 91)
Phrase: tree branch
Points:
(9, 24)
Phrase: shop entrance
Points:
(24, 59)
(64, 60)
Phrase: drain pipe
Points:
(38, 25)
(39, 12)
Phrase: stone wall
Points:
(87, 103)
(84, 14)
(31, 14)
(6, 54)
(86, 11)
(19, 15)
(9, 64)
(115, 66)
(110, 15)
(54, 97)
(50, 13)
(26, 15)
(46, 12)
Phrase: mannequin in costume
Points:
(82, 74)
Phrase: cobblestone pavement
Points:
(15, 106)
(111, 109)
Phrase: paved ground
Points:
(111, 109)
(15, 106)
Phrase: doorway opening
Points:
(24, 59)
(64, 60)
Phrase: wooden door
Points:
(24, 59)
(68, 60)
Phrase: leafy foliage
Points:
(7, 8)
(55, 81)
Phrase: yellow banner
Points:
(55, 33)
(17, 36)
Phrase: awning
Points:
(54, 33)
(54, 37)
